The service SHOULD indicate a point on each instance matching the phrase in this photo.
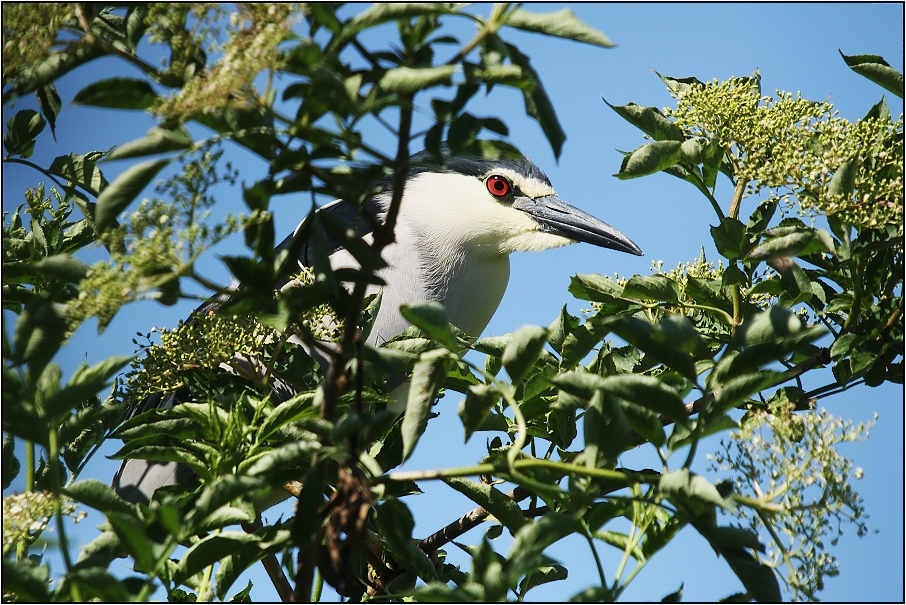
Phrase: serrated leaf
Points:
(649, 159)
(99, 496)
(652, 287)
(649, 120)
(876, 69)
(21, 130)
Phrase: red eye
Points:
(498, 186)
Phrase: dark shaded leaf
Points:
(427, 376)
(475, 407)
(117, 93)
(21, 130)
(876, 69)
(523, 351)
(121, 192)
(537, 104)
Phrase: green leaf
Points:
(431, 318)
(876, 69)
(684, 484)
(523, 351)
(427, 376)
(21, 130)
(647, 392)
(594, 287)
(244, 595)
(652, 287)
(649, 120)
(50, 105)
(537, 104)
(492, 500)
(679, 85)
(121, 192)
(738, 389)
(409, 80)
(543, 575)
(117, 93)
(60, 266)
(607, 433)
(396, 524)
(766, 327)
(534, 538)
(99, 496)
(730, 238)
(563, 24)
(650, 158)
(85, 382)
(292, 410)
(80, 170)
(135, 540)
(210, 550)
(790, 241)
(10, 467)
(27, 581)
(284, 458)
(844, 180)
(475, 407)
(94, 584)
(158, 140)
(674, 597)
(221, 491)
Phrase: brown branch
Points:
(272, 566)
(737, 198)
(470, 520)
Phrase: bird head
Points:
(498, 207)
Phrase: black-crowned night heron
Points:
(456, 228)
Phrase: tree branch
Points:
(470, 520)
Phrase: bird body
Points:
(456, 227)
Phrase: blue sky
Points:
(795, 47)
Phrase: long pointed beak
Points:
(556, 216)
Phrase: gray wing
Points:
(137, 480)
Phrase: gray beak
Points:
(556, 216)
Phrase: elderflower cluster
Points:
(790, 463)
(255, 34)
(29, 32)
(788, 144)
(203, 343)
(26, 516)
